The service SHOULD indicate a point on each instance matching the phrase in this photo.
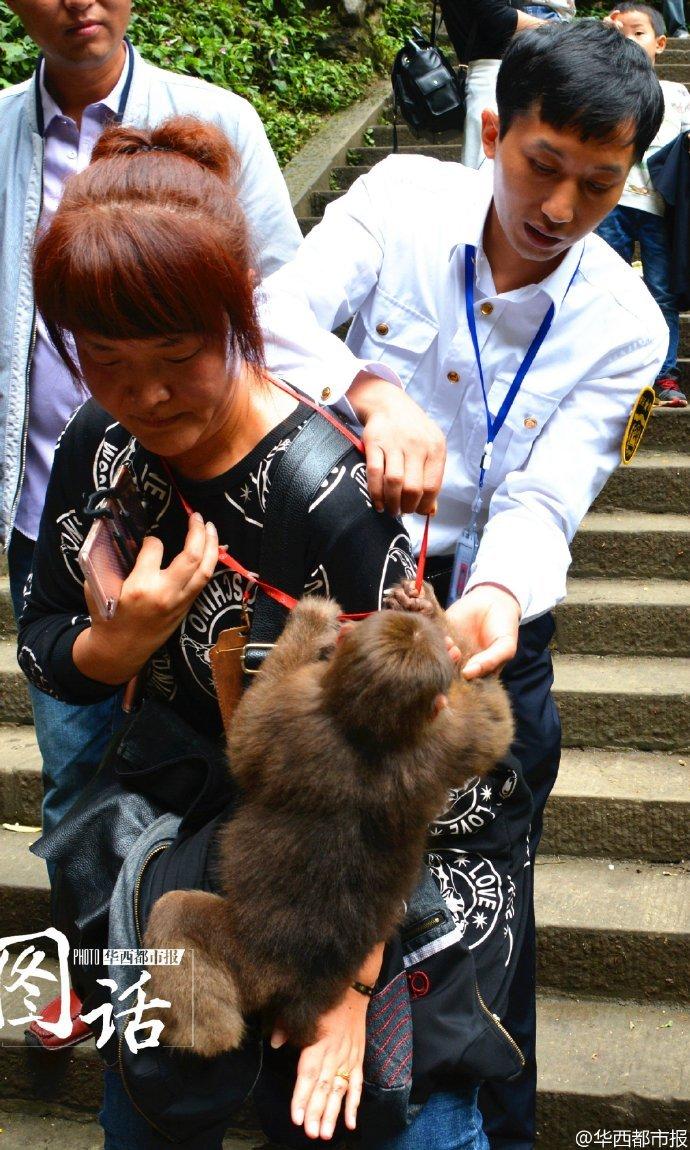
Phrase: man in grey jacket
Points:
(87, 77)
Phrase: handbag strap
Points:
(313, 453)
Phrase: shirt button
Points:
(326, 393)
(453, 377)
(382, 328)
(486, 308)
(530, 422)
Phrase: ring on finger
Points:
(344, 1074)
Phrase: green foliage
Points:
(273, 52)
(398, 18)
(596, 8)
(277, 53)
(17, 51)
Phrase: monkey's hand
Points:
(310, 636)
(406, 597)
(315, 626)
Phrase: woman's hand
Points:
(488, 617)
(153, 602)
(319, 1089)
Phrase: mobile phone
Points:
(110, 549)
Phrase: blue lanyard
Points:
(115, 118)
(493, 426)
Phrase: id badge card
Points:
(465, 555)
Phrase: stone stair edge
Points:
(26, 876)
(629, 804)
(637, 678)
(637, 672)
(651, 825)
(623, 699)
(622, 1070)
(311, 166)
(640, 675)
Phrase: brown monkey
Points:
(344, 749)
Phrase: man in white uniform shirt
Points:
(463, 283)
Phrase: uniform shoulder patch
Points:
(635, 429)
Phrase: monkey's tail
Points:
(205, 1015)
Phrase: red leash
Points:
(282, 597)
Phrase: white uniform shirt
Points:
(393, 251)
(639, 191)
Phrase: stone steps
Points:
(590, 914)
(14, 693)
(612, 929)
(655, 480)
(618, 702)
(627, 544)
(602, 1065)
(38, 1131)
(625, 804)
(20, 776)
(669, 428)
(600, 616)
(619, 804)
(381, 135)
(604, 617)
(367, 155)
(604, 700)
(679, 72)
(610, 1065)
(7, 627)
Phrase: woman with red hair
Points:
(144, 278)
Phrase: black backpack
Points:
(427, 91)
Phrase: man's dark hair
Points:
(653, 15)
(584, 76)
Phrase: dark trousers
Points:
(508, 1108)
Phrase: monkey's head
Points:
(388, 680)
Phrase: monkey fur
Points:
(344, 749)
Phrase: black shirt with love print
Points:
(353, 554)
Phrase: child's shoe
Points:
(668, 393)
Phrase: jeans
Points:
(446, 1122)
(620, 229)
(674, 16)
(542, 12)
(71, 739)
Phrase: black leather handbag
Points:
(428, 92)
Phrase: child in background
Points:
(639, 214)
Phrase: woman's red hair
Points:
(150, 240)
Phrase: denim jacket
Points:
(154, 96)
